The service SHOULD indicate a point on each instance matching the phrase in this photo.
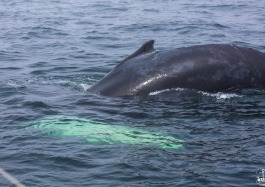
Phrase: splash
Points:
(85, 86)
(95, 132)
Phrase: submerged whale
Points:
(211, 68)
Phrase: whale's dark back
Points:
(213, 67)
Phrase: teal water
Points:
(52, 51)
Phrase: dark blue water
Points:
(52, 51)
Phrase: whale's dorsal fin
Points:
(147, 47)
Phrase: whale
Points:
(209, 68)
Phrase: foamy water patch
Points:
(13, 84)
(62, 82)
(85, 86)
(221, 95)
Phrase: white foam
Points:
(85, 86)
(221, 95)
(13, 84)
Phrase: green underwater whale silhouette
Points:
(97, 132)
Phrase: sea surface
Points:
(51, 51)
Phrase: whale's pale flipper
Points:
(147, 47)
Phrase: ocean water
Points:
(52, 51)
